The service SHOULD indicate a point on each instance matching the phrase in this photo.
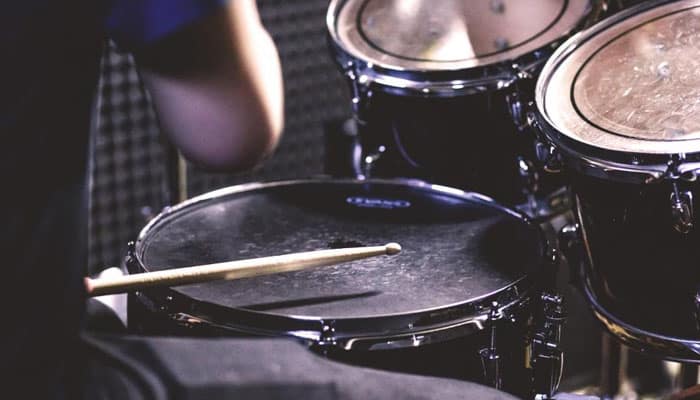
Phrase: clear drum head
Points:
(449, 35)
(629, 84)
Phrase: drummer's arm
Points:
(217, 88)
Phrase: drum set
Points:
(475, 124)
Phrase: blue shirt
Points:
(48, 74)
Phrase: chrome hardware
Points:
(517, 111)
(490, 359)
(529, 177)
(370, 160)
(682, 209)
(327, 337)
(549, 157)
(569, 236)
(361, 92)
(547, 357)
(571, 246)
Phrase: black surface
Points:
(177, 368)
(643, 271)
(454, 249)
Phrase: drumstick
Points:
(234, 269)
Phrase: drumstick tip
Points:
(392, 248)
(88, 285)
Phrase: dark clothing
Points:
(51, 51)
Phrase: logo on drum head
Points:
(373, 202)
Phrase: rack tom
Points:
(439, 88)
(618, 110)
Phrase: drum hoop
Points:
(636, 168)
(346, 331)
(613, 164)
(480, 77)
(669, 347)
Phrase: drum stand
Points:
(547, 355)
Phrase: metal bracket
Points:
(361, 92)
(490, 359)
(517, 111)
(682, 209)
(327, 336)
(370, 161)
(549, 157)
(547, 357)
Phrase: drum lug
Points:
(569, 237)
(547, 356)
(682, 209)
(490, 359)
(370, 161)
(361, 92)
(570, 246)
(549, 157)
(517, 111)
(327, 337)
(130, 261)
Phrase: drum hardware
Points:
(360, 91)
(570, 244)
(530, 184)
(517, 111)
(490, 358)
(370, 161)
(327, 337)
(682, 209)
(547, 354)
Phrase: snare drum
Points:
(438, 87)
(463, 299)
(618, 107)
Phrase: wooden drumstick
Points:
(234, 269)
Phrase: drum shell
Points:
(635, 250)
(638, 216)
(639, 274)
(467, 141)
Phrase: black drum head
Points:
(457, 247)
